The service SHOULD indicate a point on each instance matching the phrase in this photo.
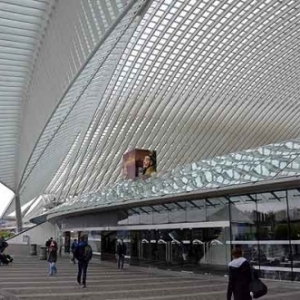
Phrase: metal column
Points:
(18, 213)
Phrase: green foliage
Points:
(282, 232)
(6, 234)
(262, 233)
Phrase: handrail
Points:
(19, 233)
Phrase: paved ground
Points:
(27, 278)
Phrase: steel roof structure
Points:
(22, 27)
(82, 81)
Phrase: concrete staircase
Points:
(27, 278)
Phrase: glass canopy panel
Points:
(264, 163)
(293, 168)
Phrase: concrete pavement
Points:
(27, 278)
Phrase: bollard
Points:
(43, 253)
(33, 249)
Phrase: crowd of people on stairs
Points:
(244, 282)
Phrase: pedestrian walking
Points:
(121, 252)
(239, 277)
(52, 258)
(73, 248)
(83, 253)
(48, 242)
(3, 244)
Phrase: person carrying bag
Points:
(257, 287)
(243, 283)
(239, 277)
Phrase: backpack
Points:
(87, 253)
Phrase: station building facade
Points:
(192, 217)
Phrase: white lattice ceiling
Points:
(22, 26)
(191, 79)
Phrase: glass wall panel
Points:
(294, 217)
(108, 245)
(273, 234)
(94, 239)
(265, 226)
(197, 249)
(260, 226)
(243, 225)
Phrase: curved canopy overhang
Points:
(22, 28)
(190, 79)
(271, 167)
(168, 203)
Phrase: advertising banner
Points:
(139, 163)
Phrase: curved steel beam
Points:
(91, 55)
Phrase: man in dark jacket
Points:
(47, 244)
(121, 252)
(239, 277)
(83, 253)
(3, 244)
(73, 248)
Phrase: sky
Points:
(13, 214)
(6, 195)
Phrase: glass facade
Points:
(271, 237)
(93, 237)
(199, 249)
(199, 235)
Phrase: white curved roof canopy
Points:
(22, 25)
(191, 79)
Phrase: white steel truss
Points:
(190, 79)
(22, 26)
